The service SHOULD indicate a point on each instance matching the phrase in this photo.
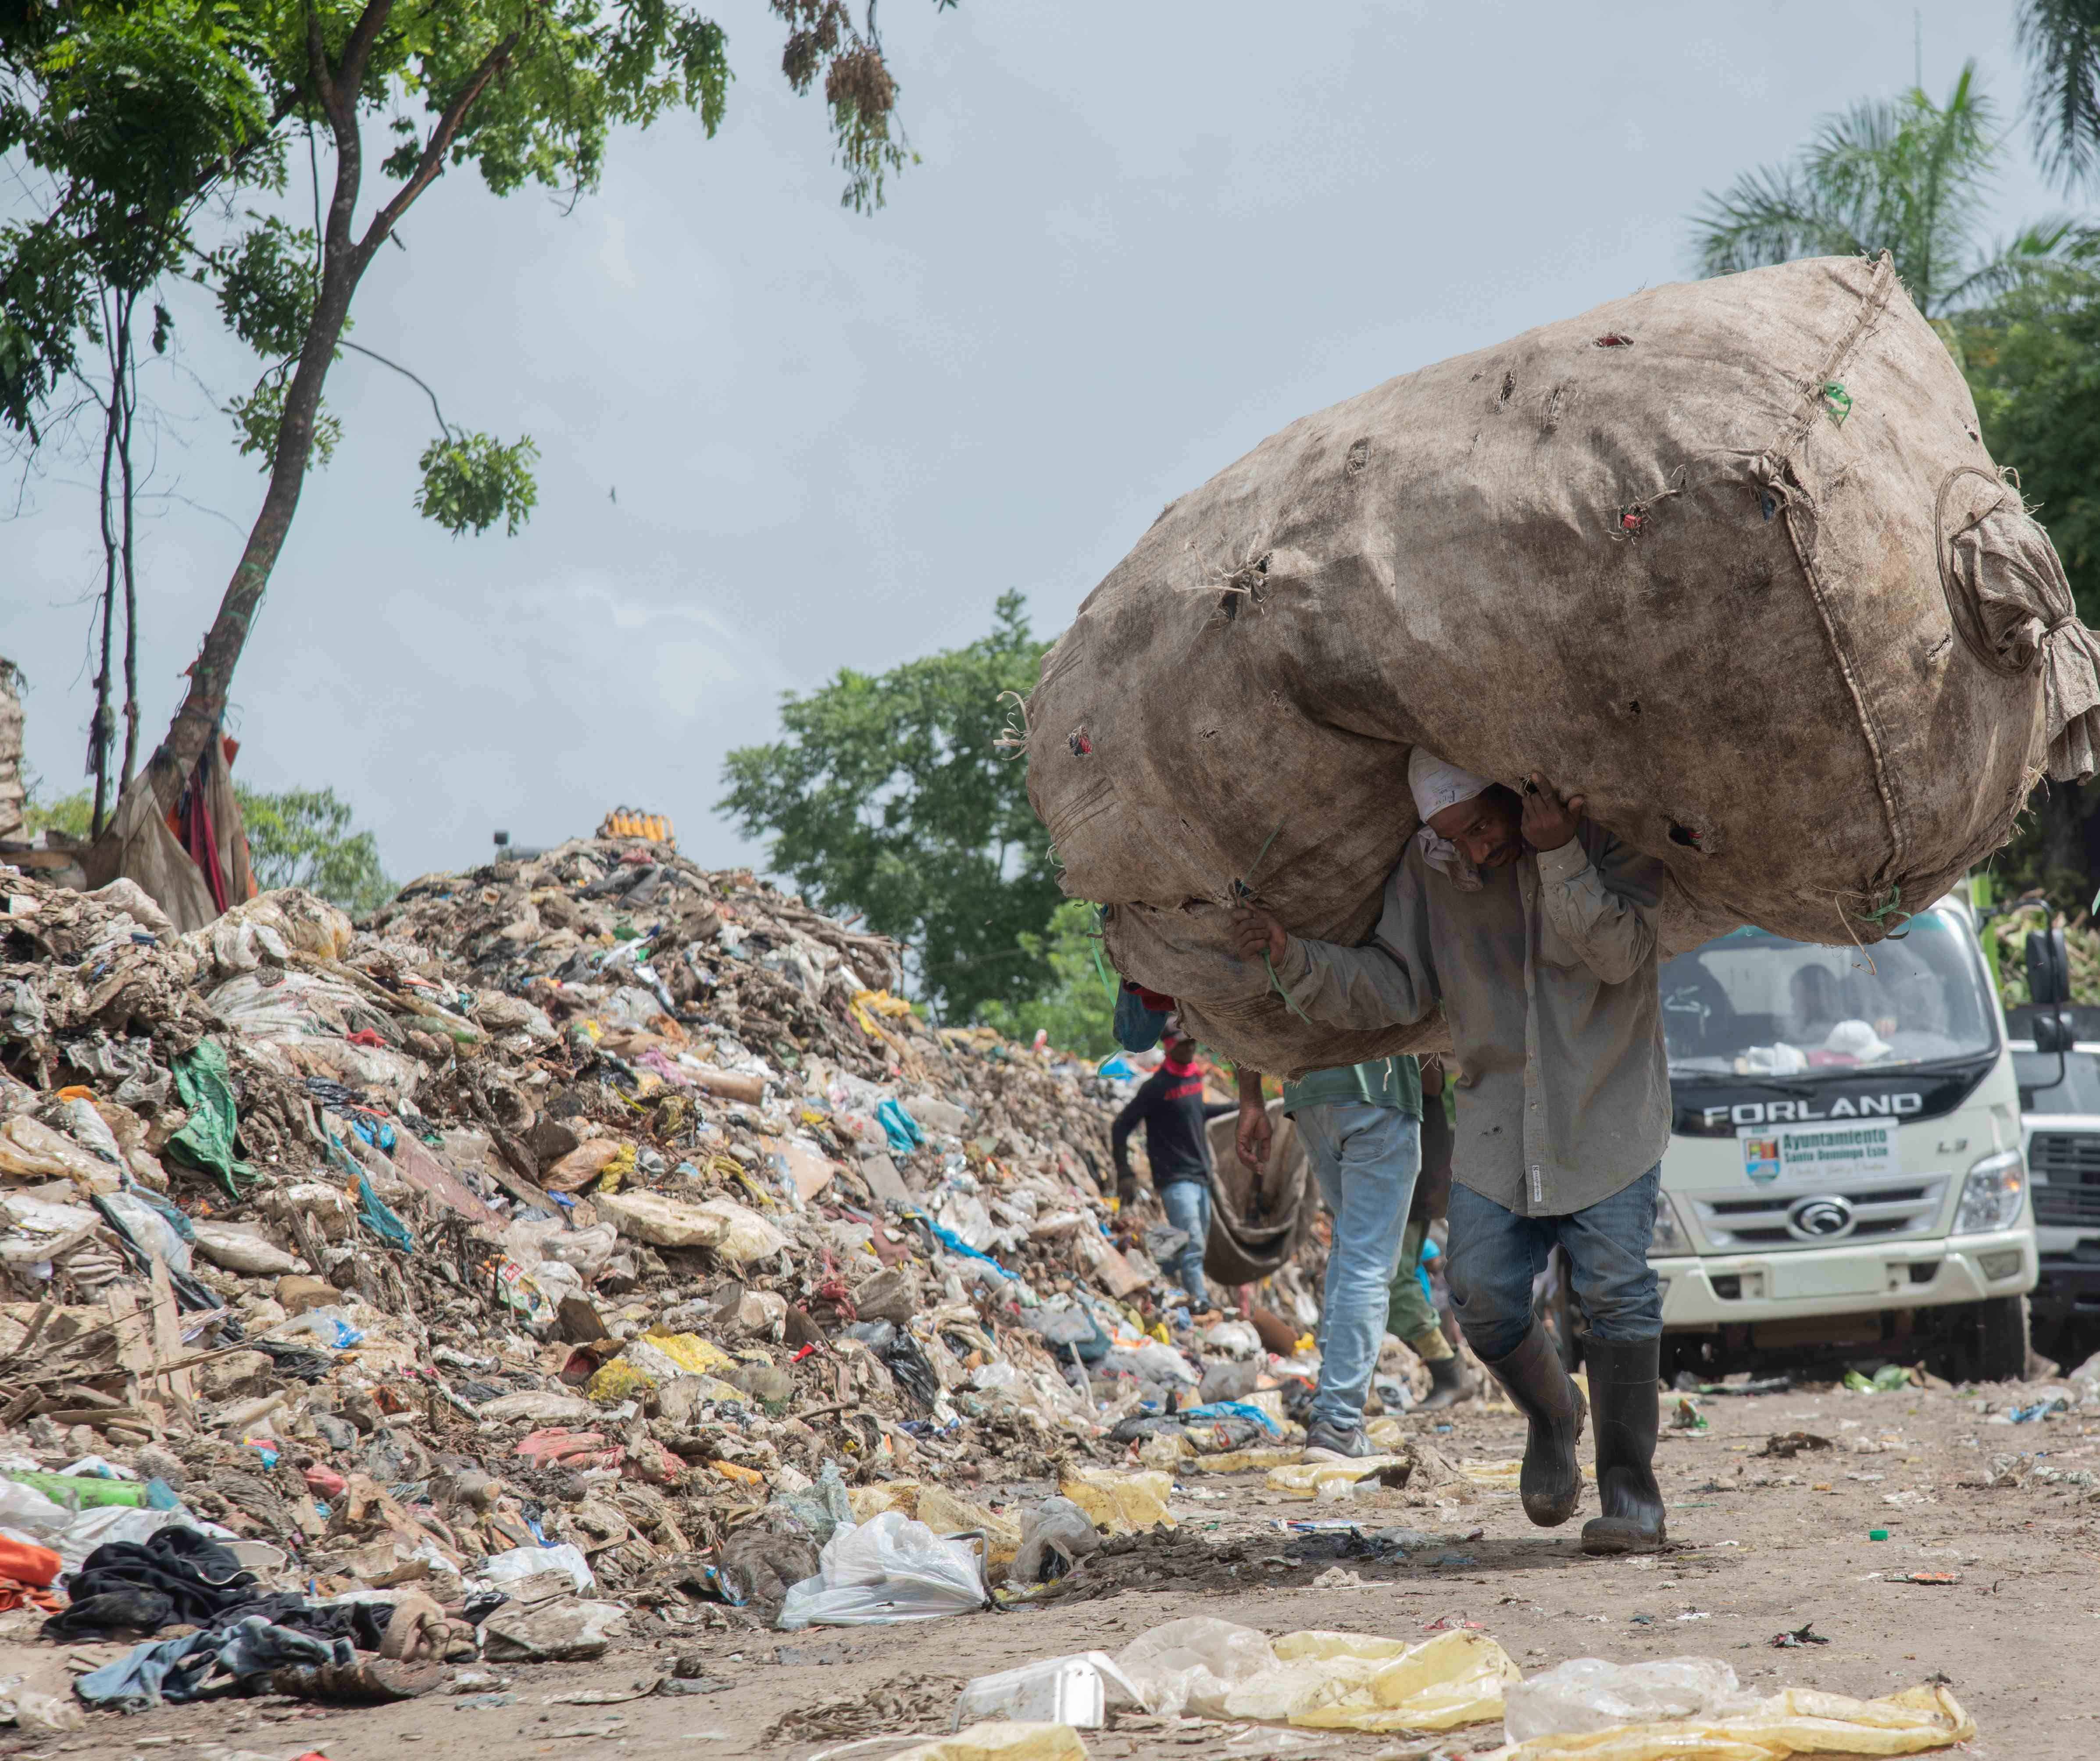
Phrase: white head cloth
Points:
(1437, 785)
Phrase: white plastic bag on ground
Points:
(1189, 1666)
(524, 1562)
(1586, 1693)
(241, 1247)
(888, 1569)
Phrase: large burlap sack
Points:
(1729, 557)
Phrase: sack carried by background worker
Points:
(1249, 1241)
(1728, 558)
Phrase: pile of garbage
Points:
(580, 1246)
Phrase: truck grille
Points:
(2066, 1166)
(1886, 1212)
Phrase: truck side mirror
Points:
(2053, 1031)
(2048, 969)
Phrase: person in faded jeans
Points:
(1361, 1127)
(1169, 1103)
(1534, 928)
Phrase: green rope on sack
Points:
(1243, 892)
(1285, 994)
(1890, 906)
(1101, 929)
(1837, 401)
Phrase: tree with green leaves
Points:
(168, 136)
(2032, 357)
(2060, 39)
(1905, 175)
(304, 837)
(1076, 1009)
(892, 797)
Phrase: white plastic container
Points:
(1076, 1690)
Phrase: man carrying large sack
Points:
(1361, 1127)
(1536, 930)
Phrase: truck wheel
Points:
(2000, 1339)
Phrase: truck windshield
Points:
(1752, 1004)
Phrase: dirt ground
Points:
(1762, 1544)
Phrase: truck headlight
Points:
(1991, 1195)
(1669, 1237)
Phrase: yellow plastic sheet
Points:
(1453, 1678)
(1503, 1475)
(618, 1381)
(1304, 1479)
(691, 1352)
(1119, 1502)
(1246, 1460)
(1796, 1721)
(997, 1739)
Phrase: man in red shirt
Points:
(1170, 1104)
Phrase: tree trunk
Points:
(333, 90)
(128, 385)
(102, 730)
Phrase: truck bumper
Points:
(1705, 1291)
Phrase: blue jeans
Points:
(1187, 1204)
(1495, 1255)
(1365, 1159)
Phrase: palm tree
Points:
(2060, 39)
(1904, 175)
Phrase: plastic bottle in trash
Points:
(81, 1491)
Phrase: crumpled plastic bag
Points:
(1797, 1721)
(1187, 1667)
(1054, 1536)
(32, 1150)
(1119, 1501)
(822, 1507)
(207, 1138)
(1208, 1668)
(1374, 1684)
(888, 1569)
(1586, 1693)
(1304, 1479)
(241, 1247)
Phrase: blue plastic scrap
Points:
(1232, 1409)
(899, 1127)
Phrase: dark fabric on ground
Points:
(199, 1579)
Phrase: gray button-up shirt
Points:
(1547, 977)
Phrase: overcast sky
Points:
(1141, 238)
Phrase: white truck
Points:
(1845, 1177)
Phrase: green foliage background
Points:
(890, 796)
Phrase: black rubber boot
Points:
(1622, 1383)
(1447, 1385)
(1552, 1477)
